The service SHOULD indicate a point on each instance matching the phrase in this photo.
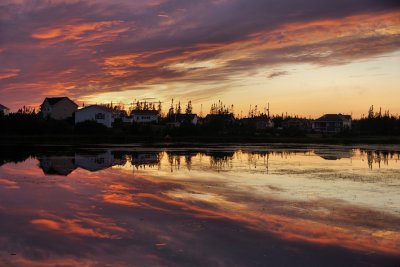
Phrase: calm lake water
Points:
(219, 205)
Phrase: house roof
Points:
(334, 118)
(54, 100)
(103, 108)
(348, 117)
(3, 107)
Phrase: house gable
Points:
(3, 109)
(58, 108)
(100, 114)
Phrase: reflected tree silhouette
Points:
(64, 160)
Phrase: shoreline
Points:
(124, 139)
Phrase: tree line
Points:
(220, 121)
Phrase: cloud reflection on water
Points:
(166, 208)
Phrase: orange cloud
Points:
(330, 41)
(87, 32)
(9, 73)
(48, 224)
(51, 262)
(123, 60)
(47, 34)
(60, 88)
(85, 224)
(9, 183)
(324, 222)
(112, 54)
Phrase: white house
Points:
(58, 108)
(5, 110)
(99, 114)
(145, 116)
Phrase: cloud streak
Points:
(277, 73)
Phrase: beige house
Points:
(58, 108)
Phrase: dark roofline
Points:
(55, 100)
(333, 117)
(3, 107)
(97, 106)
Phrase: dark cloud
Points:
(277, 73)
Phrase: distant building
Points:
(261, 122)
(225, 119)
(333, 154)
(5, 110)
(297, 123)
(187, 118)
(97, 162)
(332, 123)
(177, 120)
(145, 116)
(99, 114)
(58, 108)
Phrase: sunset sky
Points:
(304, 57)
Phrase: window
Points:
(100, 116)
(99, 161)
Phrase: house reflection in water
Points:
(97, 162)
(217, 160)
(57, 165)
(334, 154)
